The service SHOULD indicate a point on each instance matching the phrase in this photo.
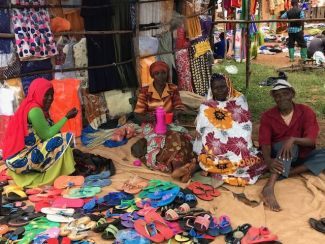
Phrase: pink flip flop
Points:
(61, 202)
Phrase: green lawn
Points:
(309, 86)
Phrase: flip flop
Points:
(317, 225)
(202, 223)
(98, 183)
(62, 202)
(83, 192)
(3, 229)
(110, 232)
(224, 225)
(58, 211)
(65, 181)
(102, 175)
(14, 194)
(59, 218)
(23, 219)
(148, 231)
(258, 235)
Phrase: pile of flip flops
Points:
(71, 211)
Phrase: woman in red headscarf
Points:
(35, 152)
(173, 150)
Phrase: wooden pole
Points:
(213, 11)
(65, 70)
(137, 42)
(248, 43)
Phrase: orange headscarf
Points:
(158, 66)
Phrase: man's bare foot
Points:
(269, 199)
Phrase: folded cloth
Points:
(111, 143)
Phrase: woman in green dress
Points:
(35, 151)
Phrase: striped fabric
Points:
(149, 99)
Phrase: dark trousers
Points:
(315, 161)
(297, 37)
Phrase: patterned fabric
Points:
(95, 108)
(149, 99)
(154, 144)
(183, 70)
(38, 156)
(225, 147)
(69, 62)
(34, 39)
(80, 58)
(200, 72)
(167, 152)
(6, 46)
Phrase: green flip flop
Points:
(110, 232)
(83, 192)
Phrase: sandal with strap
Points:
(202, 223)
(110, 232)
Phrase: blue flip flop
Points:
(115, 198)
(98, 182)
(166, 198)
(102, 175)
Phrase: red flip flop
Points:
(159, 222)
(53, 241)
(4, 176)
(40, 205)
(148, 231)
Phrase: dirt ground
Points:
(277, 61)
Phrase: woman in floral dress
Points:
(224, 129)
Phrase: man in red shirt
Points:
(287, 136)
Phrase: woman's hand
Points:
(72, 113)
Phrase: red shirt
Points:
(303, 124)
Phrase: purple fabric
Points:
(206, 25)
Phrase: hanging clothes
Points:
(7, 97)
(16, 86)
(123, 44)
(100, 48)
(95, 108)
(33, 36)
(66, 97)
(200, 70)
(6, 47)
(32, 66)
(80, 58)
(69, 62)
(183, 70)
(145, 64)
(73, 14)
(166, 45)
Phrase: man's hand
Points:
(275, 166)
(286, 150)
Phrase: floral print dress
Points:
(225, 147)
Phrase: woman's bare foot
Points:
(269, 199)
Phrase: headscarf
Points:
(158, 66)
(232, 92)
(14, 140)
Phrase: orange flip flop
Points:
(3, 229)
(66, 181)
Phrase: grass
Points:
(309, 86)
